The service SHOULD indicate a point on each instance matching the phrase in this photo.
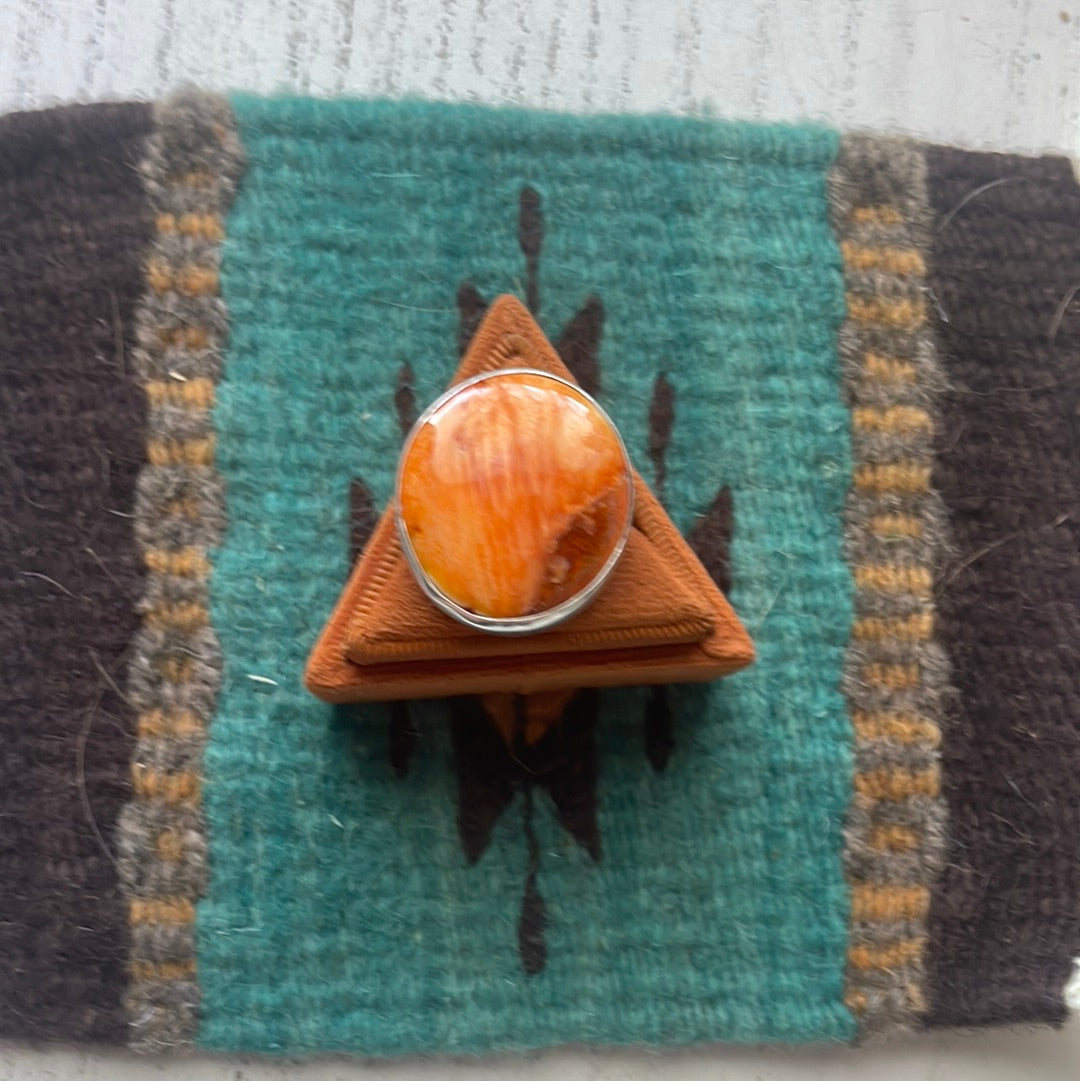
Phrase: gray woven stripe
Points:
(192, 165)
(146, 821)
(894, 674)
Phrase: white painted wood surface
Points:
(1001, 74)
(983, 73)
(984, 1056)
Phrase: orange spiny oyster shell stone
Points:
(514, 493)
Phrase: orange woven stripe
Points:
(186, 506)
(162, 971)
(182, 617)
(192, 281)
(890, 578)
(190, 452)
(906, 951)
(897, 784)
(173, 911)
(894, 838)
(900, 727)
(903, 478)
(159, 724)
(181, 787)
(196, 281)
(902, 314)
(876, 215)
(158, 275)
(918, 627)
(892, 677)
(195, 393)
(889, 369)
(902, 261)
(882, 904)
(896, 420)
(207, 226)
(184, 562)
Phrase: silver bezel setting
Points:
(535, 621)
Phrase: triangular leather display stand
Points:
(658, 619)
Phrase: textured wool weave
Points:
(1006, 917)
(73, 228)
(189, 171)
(847, 368)
(362, 926)
(895, 671)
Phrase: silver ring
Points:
(532, 622)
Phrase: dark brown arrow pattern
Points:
(494, 768)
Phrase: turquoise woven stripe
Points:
(342, 913)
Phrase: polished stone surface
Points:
(514, 493)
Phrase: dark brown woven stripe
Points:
(74, 227)
(1005, 919)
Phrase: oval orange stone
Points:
(514, 494)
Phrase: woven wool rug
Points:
(848, 366)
